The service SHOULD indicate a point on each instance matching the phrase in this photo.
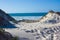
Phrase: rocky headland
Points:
(5, 23)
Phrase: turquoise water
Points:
(28, 14)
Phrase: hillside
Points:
(44, 28)
(48, 26)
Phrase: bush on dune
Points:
(15, 38)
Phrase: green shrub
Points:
(15, 38)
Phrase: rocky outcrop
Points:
(5, 36)
(58, 13)
(6, 16)
(5, 20)
(4, 23)
(51, 11)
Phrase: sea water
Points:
(30, 16)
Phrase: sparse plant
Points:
(15, 38)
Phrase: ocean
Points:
(30, 16)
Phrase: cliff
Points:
(5, 20)
(5, 35)
(6, 16)
(5, 23)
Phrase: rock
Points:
(29, 31)
(58, 13)
(5, 36)
(5, 20)
(6, 16)
(51, 11)
(24, 39)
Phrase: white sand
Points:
(20, 32)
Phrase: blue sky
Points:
(27, 6)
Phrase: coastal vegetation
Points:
(6, 35)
